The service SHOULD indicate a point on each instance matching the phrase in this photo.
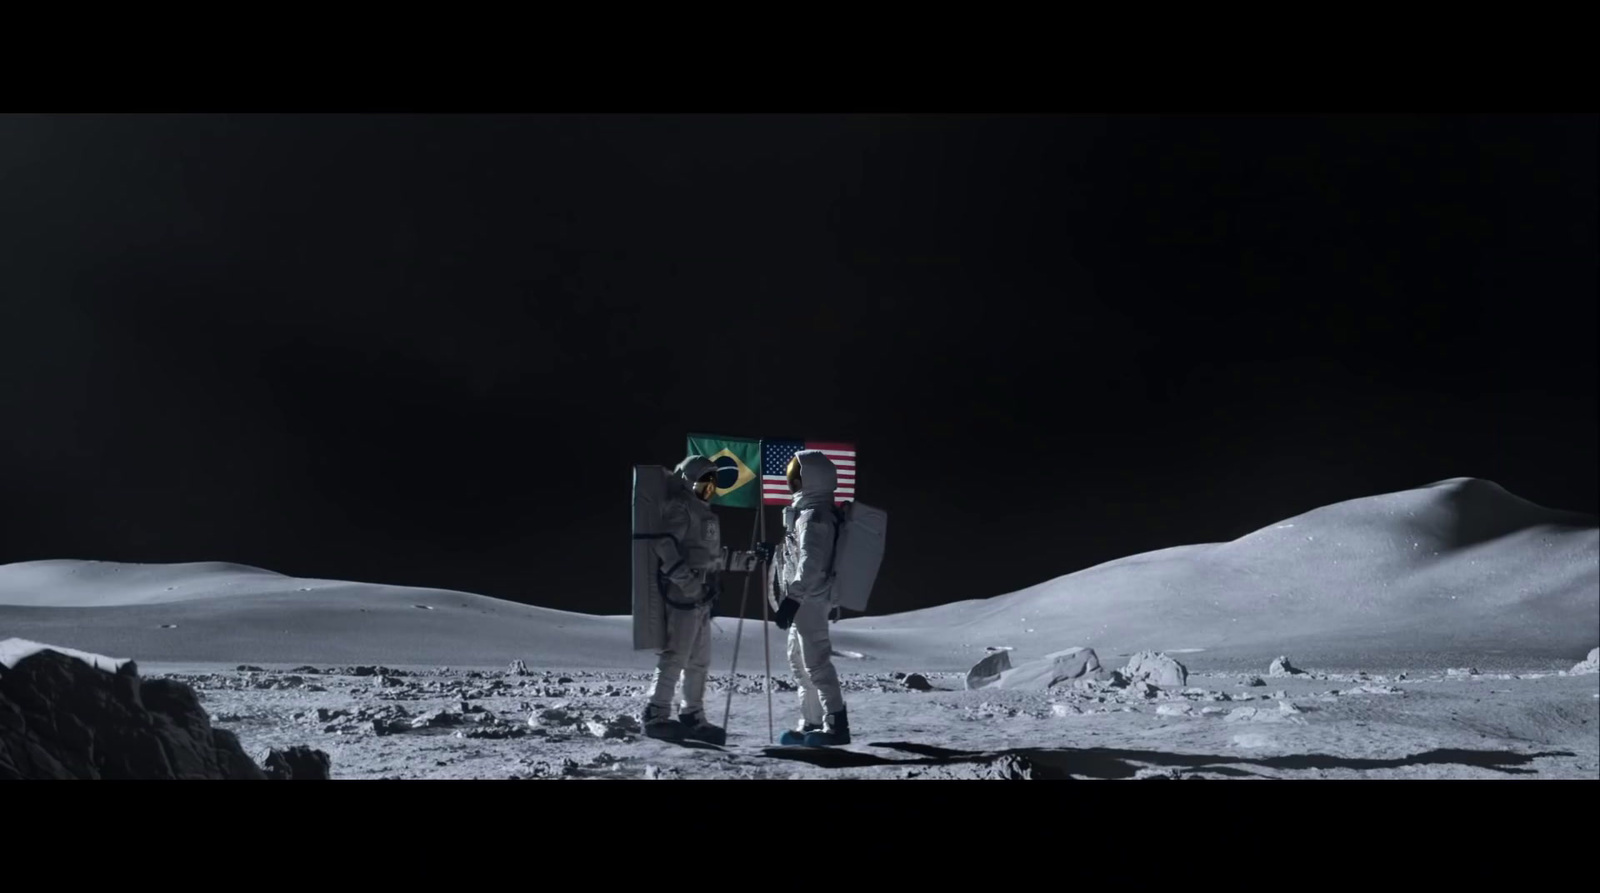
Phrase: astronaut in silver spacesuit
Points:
(804, 577)
(692, 559)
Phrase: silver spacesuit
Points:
(803, 572)
(692, 558)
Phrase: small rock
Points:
(1462, 671)
(620, 726)
(436, 719)
(1256, 682)
(1064, 710)
(518, 668)
(1174, 710)
(1287, 707)
(918, 682)
(497, 731)
(1142, 690)
(1008, 768)
(564, 680)
(554, 716)
(246, 668)
(1282, 667)
(1241, 714)
(297, 764)
(1211, 711)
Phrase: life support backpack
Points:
(858, 539)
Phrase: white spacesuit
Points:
(691, 559)
(804, 578)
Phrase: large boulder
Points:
(917, 682)
(1052, 669)
(988, 670)
(1156, 668)
(1591, 664)
(63, 716)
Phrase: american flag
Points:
(775, 456)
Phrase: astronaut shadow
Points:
(1062, 766)
(694, 745)
(1113, 763)
(831, 757)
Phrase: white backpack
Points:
(857, 553)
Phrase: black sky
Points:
(427, 350)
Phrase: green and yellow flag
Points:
(738, 460)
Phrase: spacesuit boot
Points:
(797, 736)
(697, 728)
(659, 723)
(835, 730)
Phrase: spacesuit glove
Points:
(834, 614)
(764, 551)
(785, 614)
(684, 577)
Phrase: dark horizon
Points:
(427, 350)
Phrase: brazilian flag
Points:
(738, 468)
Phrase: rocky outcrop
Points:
(1156, 668)
(1051, 670)
(62, 716)
(1282, 667)
(1591, 664)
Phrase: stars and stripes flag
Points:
(775, 456)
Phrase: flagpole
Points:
(766, 634)
(738, 636)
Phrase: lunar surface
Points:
(1442, 632)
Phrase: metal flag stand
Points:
(766, 599)
(757, 530)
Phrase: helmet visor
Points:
(706, 487)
